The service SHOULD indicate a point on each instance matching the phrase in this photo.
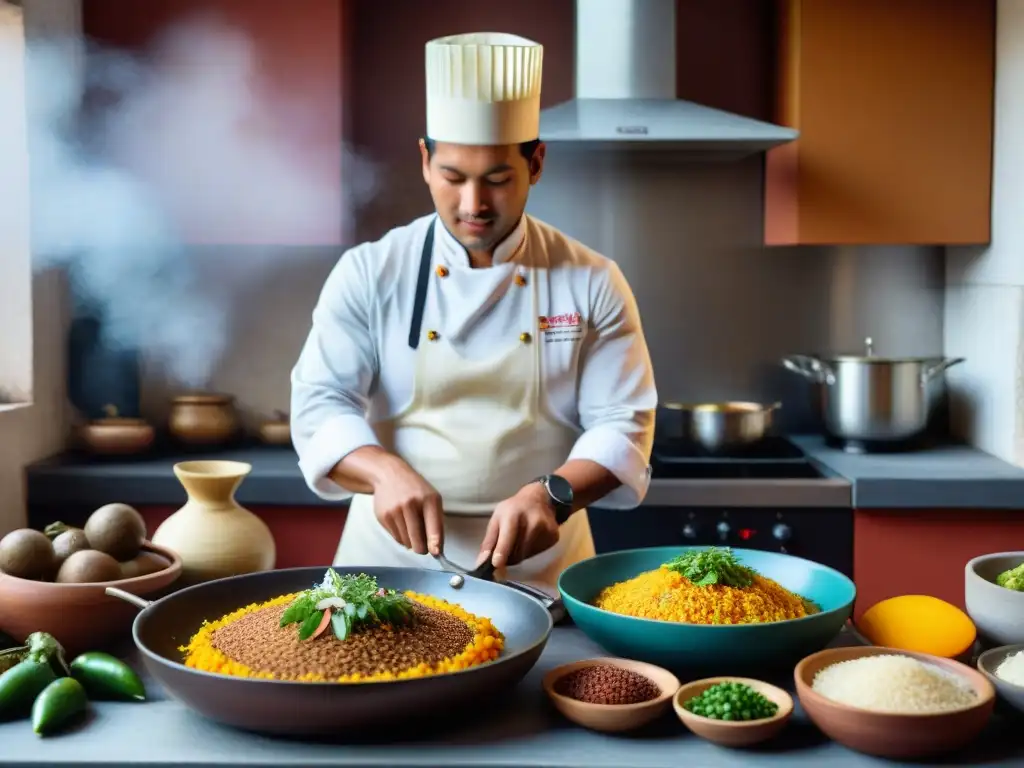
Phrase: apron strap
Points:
(422, 283)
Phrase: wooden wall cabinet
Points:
(894, 103)
(924, 552)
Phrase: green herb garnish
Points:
(705, 567)
(353, 600)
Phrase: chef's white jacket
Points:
(357, 367)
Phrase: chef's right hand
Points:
(410, 509)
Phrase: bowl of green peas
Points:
(733, 711)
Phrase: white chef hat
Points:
(483, 88)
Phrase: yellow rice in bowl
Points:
(665, 594)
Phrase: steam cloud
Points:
(187, 143)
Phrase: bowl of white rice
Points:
(891, 703)
(1004, 667)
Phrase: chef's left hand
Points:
(521, 527)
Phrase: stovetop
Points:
(773, 458)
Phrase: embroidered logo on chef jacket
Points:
(564, 327)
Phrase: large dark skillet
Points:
(306, 709)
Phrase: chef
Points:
(475, 379)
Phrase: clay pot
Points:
(115, 435)
(277, 431)
(214, 535)
(81, 616)
(203, 419)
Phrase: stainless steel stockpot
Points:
(871, 399)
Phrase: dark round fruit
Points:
(66, 544)
(89, 566)
(26, 554)
(116, 529)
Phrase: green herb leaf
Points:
(340, 626)
(365, 603)
(714, 565)
(298, 611)
(310, 624)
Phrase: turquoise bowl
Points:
(720, 649)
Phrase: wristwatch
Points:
(560, 492)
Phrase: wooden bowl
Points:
(81, 616)
(117, 436)
(889, 735)
(734, 733)
(612, 718)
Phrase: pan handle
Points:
(485, 572)
(128, 597)
(554, 604)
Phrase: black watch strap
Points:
(560, 494)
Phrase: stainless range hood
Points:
(626, 89)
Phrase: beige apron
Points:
(477, 431)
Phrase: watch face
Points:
(560, 489)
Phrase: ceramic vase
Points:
(213, 534)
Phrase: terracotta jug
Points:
(214, 535)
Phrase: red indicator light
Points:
(746, 534)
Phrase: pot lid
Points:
(869, 356)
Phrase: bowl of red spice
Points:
(733, 711)
(610, 694)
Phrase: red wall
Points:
(298, 55)
(304, 536)
(909, 552)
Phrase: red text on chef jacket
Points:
(565, 320)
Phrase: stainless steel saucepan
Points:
(715, 427)
(871, 399)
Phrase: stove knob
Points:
(689, 531)
(724, 529)
(782, 532)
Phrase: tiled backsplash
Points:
(985, 295)
(719, 309)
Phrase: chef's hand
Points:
(410, 509)
(521, 527)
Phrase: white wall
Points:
(29, 432)
(984, 315)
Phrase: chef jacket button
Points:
(442, 270)
(520, 280)
(433, 335)
(525, 338)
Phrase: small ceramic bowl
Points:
(890, 735)
(83, 617)
(995, 610)
(989, 662)
(734, 733)
(612, 718)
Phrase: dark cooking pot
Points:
(522, 614)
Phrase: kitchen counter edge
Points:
(953, 476)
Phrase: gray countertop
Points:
(944, 477)
(522, 731)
